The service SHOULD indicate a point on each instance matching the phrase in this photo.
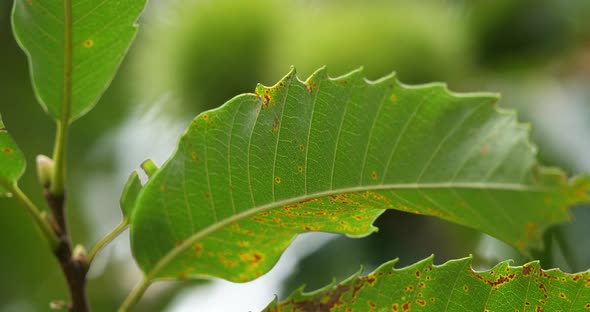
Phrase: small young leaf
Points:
(12, 161)
(130, 193)
(329, 155)
(74, 48)
(453, 286)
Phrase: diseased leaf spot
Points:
(194, 156)
(484, 150)
(205, 117)
(562, 296)
(300, 169)
(373, 175)
(417, 274)
(278, 180)
(89, 43)
(465, 288)
(372, 304)
(7, 150)
(302, 147)
(395, 307)
(393, 98)
(421, 302)
(406, 306)
(198, 249)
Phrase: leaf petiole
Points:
(106, 240)
(37, 215)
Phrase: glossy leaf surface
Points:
(74, 48)
(329, 155)
(453, 286)
(12, 161)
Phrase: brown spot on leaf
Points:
(393, 98)
(526, 270)
(194, 156)
(395, 307)
(301, 147)
(406, 306)
(373, 175)
(7, 150)
(278, 180)
(300, 169)
(205, 116)
(484, 150)
(465, 288)
(198, 248)
(417, 274)
(421, 302)
(88, 43)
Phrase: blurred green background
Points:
(193, 55)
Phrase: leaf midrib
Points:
(187, 243)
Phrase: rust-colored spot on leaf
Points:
(562, 296)
(484, 150)
(301, 147)
(526, 270)
(538, 309)
(182, 275)
(7, 150)
(88, 43)
(275, 125)
(393, 98)
(432, 299)
(422, 285)
(300, 169)
(178, 242)
(587, 306)
(409, 288)
(421, 302)
(395, 307)
(371, 280)
(198, 248)
(278, 180)
(373, 175)
(406, 306)
(465, 288)
(194, 156)
(371, 304)
(417, 274)
(542, 287)
(266, 100)
(205, 116)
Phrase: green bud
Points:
(44, 170)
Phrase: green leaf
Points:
(130, 193)
(453, 286)
(12, 161)
(329, 155)
(74, 48)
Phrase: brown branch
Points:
(73, 266)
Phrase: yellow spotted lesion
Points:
(88, 43)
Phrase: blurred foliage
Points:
(191, 53)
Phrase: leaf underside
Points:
(453, 286)
(12, 161)
(101, 34)
(329, 155)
